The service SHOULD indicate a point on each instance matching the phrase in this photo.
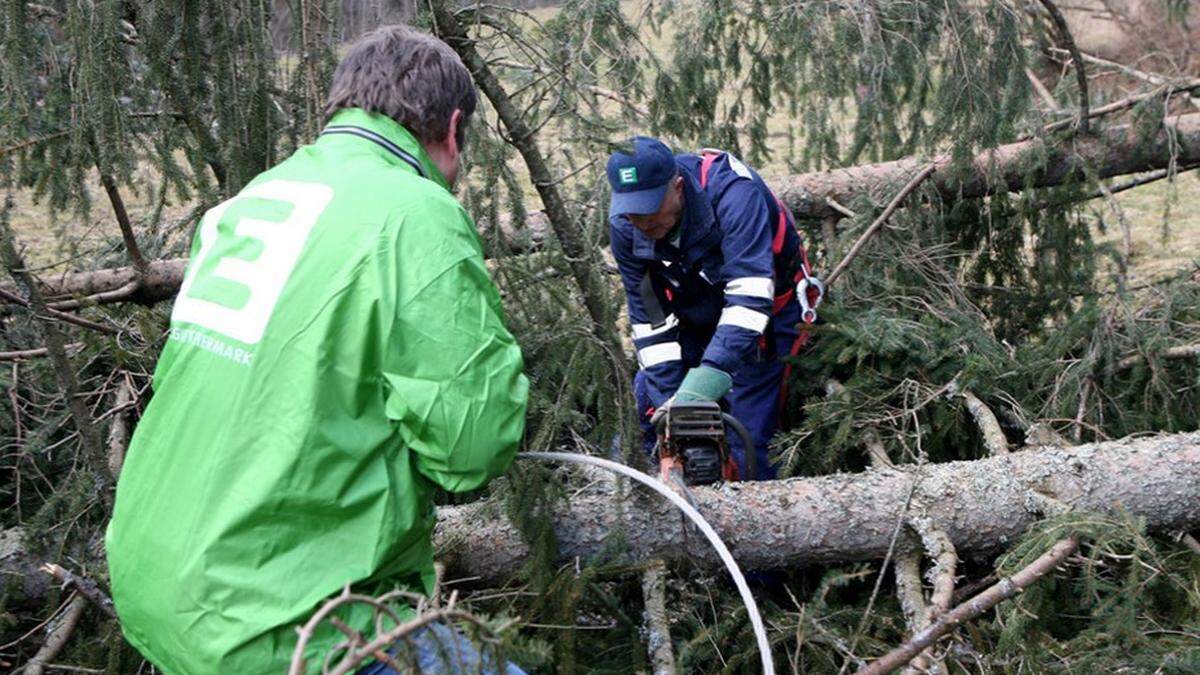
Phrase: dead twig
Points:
(662, 657)
(1042, 91)
(883, 217)
(37, 353)
(57, 639)
(60, 315)
(56, 351)
(1187, 351)
(1005, 589)
(359, 649)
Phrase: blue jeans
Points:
(441, 650)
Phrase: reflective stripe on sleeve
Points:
(744, 317)
(656, 354)
(755, 287)
(645, 330)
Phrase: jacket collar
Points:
(696, 225)
(388, 138)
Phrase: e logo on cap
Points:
(627, 175)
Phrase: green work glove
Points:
(703, 384)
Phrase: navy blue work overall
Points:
(718, 291)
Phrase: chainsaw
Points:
(692, 442)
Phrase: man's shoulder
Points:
(370, 184)
(422, 198)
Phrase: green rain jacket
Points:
(337, 351)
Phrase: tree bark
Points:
(1115, 151)
(982, 506)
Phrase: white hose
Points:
(760, 633)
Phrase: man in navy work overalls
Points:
(710, 261)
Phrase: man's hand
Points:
(699, 384)
(703, 384)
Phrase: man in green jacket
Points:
(337, 352)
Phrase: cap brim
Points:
(640, 203)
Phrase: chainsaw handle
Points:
(749, 451)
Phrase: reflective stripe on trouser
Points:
(753, 400)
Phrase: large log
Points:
(982, 506)
(1115, 151)
(1036, 162)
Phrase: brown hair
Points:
(407, 75)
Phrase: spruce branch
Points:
(580, 256)
(56, 350)
(1064, 32)
(1005, 589)
(911, 595)
(1190, 542)
(30, 142)
(1124, 104)
(118, 207)
(1150, 78)
(870, 232)
(1115, 153)
(119, 429)
(989, 426)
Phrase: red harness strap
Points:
(707, 159)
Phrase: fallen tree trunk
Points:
(1013, 167)
(982, 506)
(1115, 151)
